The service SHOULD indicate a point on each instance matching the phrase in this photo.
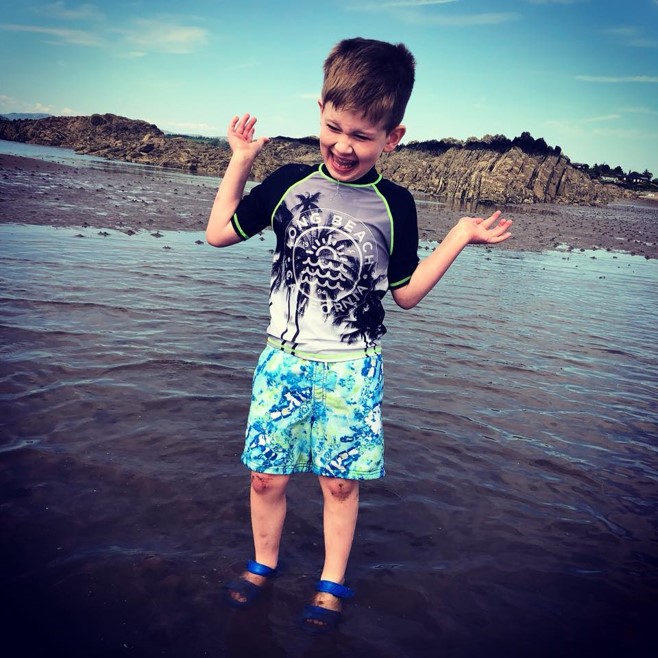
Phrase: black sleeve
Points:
(254, 212)
(404, 244)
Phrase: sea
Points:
(518, 515)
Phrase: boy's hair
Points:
(372, 76)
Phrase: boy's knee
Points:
(340, 490)
(265, 483)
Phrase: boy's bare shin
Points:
(268, 513)
(341, 509)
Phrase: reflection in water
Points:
(517, 517)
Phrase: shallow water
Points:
(517, 517)
(67, 156)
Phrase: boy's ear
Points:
(394, 137)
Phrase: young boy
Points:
(344, 237)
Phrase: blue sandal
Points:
(317, 619)
(244, 588)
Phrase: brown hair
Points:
(372, 76)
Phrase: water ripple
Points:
(520, 421)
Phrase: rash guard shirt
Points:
(339, 248)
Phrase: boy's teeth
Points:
(343, 163)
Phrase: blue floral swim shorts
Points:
(314, 416)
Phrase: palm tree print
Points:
(307, 202)
(316, 260)
(364, 319)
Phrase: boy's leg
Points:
(341, 509)
(268, 513)
(267, 498)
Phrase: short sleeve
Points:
(251, 216)
(254, 212)
(404, 248)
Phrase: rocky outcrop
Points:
(87, 133)
(493, 169)
(467, 175)
(107, 136)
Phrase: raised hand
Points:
(486, 231)
(240, 135)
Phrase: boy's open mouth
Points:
(342, 165)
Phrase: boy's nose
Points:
(343, 145)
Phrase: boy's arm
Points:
(469, 230)
(220, 231)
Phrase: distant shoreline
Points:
(46, 193)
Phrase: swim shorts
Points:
(314, 416)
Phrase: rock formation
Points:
(493, 169)
(465, 174)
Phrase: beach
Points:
(517, 516)
(124, 197)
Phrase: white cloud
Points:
(555, 2)
(584, 127)
(630, 36)
(608, 126)
(241, 66)
(626, 133)
(9, 104)
(132, 54)
(60, 10)
(639, 110)
(645, 79)
(605, 117)
(140, 37)
(397, 4)
(414, 17)
(163, 36)
(415, 3)
(41, 108)
(620, 31)
(61, 35)
(418, 12)
(467, 20)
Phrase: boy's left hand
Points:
(486, 231)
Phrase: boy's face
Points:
(350, 144)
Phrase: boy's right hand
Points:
(241, 137)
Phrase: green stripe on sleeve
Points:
(238, 228)
(400, 283)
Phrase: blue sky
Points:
(582, 74)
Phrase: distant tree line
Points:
(210, 141)
(607, 174)
(525, 141)
(306, 141)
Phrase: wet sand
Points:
(132, 198)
